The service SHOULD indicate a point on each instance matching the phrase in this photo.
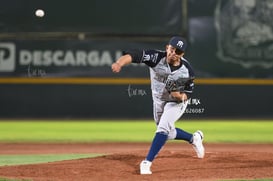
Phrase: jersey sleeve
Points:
(189, 86)
(136, 55)
(149, 57)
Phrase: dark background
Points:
(114, 26)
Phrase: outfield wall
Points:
(129, 101)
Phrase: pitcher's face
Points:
(173, 54)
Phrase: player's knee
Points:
(162, 130)
(168, 130)
(172, 134)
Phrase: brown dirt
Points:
(121, 162)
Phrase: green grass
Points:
(235, 131)
(224, 131)
(76, 131)
(7, 160)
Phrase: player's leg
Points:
(172, 111)
(158, 108)
(196, 139)
(166, 130)
(158, 141)
(177, 133)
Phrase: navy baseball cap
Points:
(178, 42)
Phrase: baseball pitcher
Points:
(172, 82)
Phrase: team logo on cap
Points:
(180, 44)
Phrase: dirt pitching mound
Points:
(175, 162)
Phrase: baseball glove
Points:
(176, 85)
